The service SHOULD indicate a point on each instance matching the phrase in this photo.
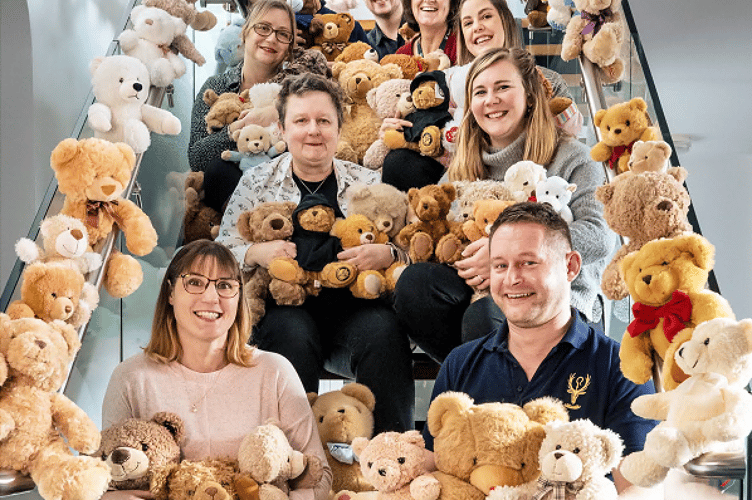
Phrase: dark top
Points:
(315, 249)
(382, 44)
(304, 21)
(422, 118)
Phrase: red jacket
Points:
(450, 48)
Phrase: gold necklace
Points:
(193, 406)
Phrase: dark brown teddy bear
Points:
(199, 221)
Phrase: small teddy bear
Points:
(485, 213)
(383, 204)
(224, 108)
(196, 479)
(331, 33)
(468, 192)
(200, 221)
(649, 156)
(229, 48)
(536, 11)
(557, 192)
(388, 102)
(559, 14)
(710, 411)
(412, 66)
(357, 50)
(186, 11)
(522, 177)
(262, 109)
(254, 147)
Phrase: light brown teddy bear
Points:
(412, 66)
(642, 207)
(477, 447)
(666, 279)
(649, 156)
(255, 146)
(38, 425)
(485, 213)
(200, 221)
(93, 174)
(468, 192)
(341, 417)
(209, 479)
(331, 33)
(224, 108)
(361, 125)
(622, 125)
(383, 204)
(357, 50)
(391, 99)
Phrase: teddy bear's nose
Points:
(77, 234)
(617, 131)
(211, 491)
(149, 22)
(341, 410)
(369, 237)
(665, 205)
(137, 87)
(387, 224)
(315, 213)
(40, 343)
(647, 279)
(120, 456)
(277, 224)
(108, 190)
(68, 309)
(382, 472)
(558, 455)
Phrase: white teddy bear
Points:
(557, 192)
(559, 13)
(711, 411)
(121, 86)
(149, 41)
(521, 179)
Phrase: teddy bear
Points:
(65, 240)
(262, 109)
(187, 12)
(597, 33)
(200, 221)
(331, 33)
(224, 108)
(521, 179)
(468, 192)
(149, 42)
(642, 207)
(41, 426)
(559, 14)
(357, 50)
(361, 124)
(666, 280)
(92, 174)
(412, 66)
(136, 447)
(621, 126)
(304, 61)
(383, 204)
(391, 99)
(478, 447)
(394, 463)
(254, 147)
(431, 99)
(649, 156)
(710, 411)
(55, 291)
(208, 479)
(485, 213)
(229, 48)
(537, 13)
(574, 459)
(557, 192)
(342, 416)
(121, 86)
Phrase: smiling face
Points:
(430, 13)
(481, 25)
(311, 130)
(384, 8)
(268, 50)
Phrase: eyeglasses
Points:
(263, 29)
(196, 284)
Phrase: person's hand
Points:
(261, 254)
(392, 123)
(475, 267)
(368, 257)
(127, 495)
(300, 41)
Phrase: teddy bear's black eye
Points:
(475, 461)
(576, 451)
(360, 231)
(626, 123)
(370, 464)
(144, 446)
(664, 263)
(54, 295)
(121, 80)
(401, 460)
(608, 127)
(321, 418)
(522, 465)
(558, 446)
(707, 341)
(104, 457)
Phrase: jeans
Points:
(405, 169)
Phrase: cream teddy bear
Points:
(521, 179)
(557, 192)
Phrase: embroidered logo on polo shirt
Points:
(576, 387)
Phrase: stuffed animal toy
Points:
(710, 411)
(432, 235)
(468, 192)
(40, 425)
(224, 109)
(149, 41)
(65, 240)
(343, 416)
(267, 222)
(186, 11)
(521, 179)
(134, 448)
(361, 125)
(394, 463)
(559, 14)
(121, 86)
(331, 33)
(485, 213)
(92, 174)
(598, 34)
(391, 99)
(431, 99)
(383, 204)
(407, 31)
(304, 61)
(642, 207)
(557, 192)
(263, 109)
(356, 51)
(649, 156)
(477, 447)
(666, 279)
(200, 221)
(412, 66)
(195, 479)
(229, 48)
(51, 291)
(574, 458)
(621, 126)
(254, 147)
(537, 12)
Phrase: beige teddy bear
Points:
(210, 479)
(649, 156)
(391, 99)
(522, 177)
(383, 204)
(255, 147)
(224, 108)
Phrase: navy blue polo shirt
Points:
(382, 44)
(582, 370)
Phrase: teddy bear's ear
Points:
(94, 64)
(371, 97)
(160, 480)
(338, 228)
(359, 191)
(746, 327)
(360, 392)
(244, 227)
(236, 134)
(210, 97)
(412, 194)
(358, 445)
(612, 447)
(444, 407)
(449, 190)
(393, 70)
(678, 173)
(69, 334)
(128, 155)
(638, 103)
(598, 117)
(337, 69)
(413, 437)
(312, 397)
(664, 147)
(346, 19)
(604, 193)
(173, 423)
(64, 152)
(546, 409)
(703, 252)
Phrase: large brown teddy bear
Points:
(342, 416)
(642, 207)
(331, 33)
(361, 125)
(93, 174)
(666, 279)
(477, 447)
(38, 425)
(199, 221)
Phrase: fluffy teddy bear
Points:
(394, 463)
(209, 479)
(391, 99)
(254, 147)
(642, 207)
(710, 411)
(666, 279)
(559, 14)
(41, 426)
(92, 174)
(224, 108)
(383, 204)
(574, 458)
(341, 417)
(357, 50)
(262, 109)
(430, 96)
(557, 192)
(65, 240)
(477, 447)
(361, 125)
(186, 11)
(468, 192)
(121, 87)
(485, 213)
(331, 33)
(412, 66)
(303, 61)
(597, 32)
(621, 126)
(267, 222)
(136, 447)
(649, 156)
(200, 221)
(521, 179)
(149, 42)
(51, 291)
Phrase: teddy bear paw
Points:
(449, 249)
(136, 135)
(286, 269)
(369, 285)
(639, 469)
(425, 487)
(337, 275)
(211, 490)
(430, 141)
(287, 294)
(668, 447)
(123, 275)
(86, 478)
(613, 72)
(271, 492)
(421, 247)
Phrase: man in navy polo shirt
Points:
(545, 347)
(384, 37)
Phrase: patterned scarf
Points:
(559, 489)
